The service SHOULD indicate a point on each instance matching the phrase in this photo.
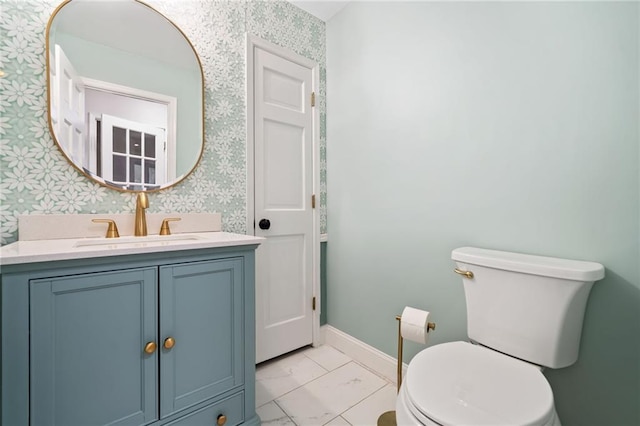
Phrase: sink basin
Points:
(137, 241)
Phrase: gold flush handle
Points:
(169, 343)
(150, 348)
(164, 228)
(112, 230)
(466, 274)
(222, 419)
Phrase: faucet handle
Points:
(164, 229)
(112, 230)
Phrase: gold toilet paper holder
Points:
(430, 327)
(389, 418)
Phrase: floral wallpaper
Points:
(36, 179)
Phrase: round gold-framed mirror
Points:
(125, 94)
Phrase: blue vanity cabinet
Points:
(153, 339)
(88, 334)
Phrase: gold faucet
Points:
(142, 202)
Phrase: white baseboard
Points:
(361, 352)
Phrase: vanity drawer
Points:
(232, 408)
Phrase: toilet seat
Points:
(460, 383)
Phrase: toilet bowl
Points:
(523, 312)
(460, 383)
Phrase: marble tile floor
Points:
(320, 386)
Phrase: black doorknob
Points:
(264, 224)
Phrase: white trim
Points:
(172, 114)
(249, 113)
(363, 353)
(324, 238)
(91, 163)
(279, 51)
(251, 43)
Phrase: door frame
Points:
(251, 43)
(171, 102)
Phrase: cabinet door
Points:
(201, 309)
(88, 333)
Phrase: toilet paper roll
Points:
(413, 325)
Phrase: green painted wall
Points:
(506, 125)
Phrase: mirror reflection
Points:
(125, 94)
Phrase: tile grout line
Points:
(301, 385)
(326, 371)
(285, 413)
(368, 396)
(386, 382)
(304, 384)
(339, 415)
(335, 368)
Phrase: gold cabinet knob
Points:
(150, 347)
(222, 419)
(169, 342)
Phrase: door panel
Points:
(87, 338)
(195, 300)
(283, 90)
(284, 187)
(283, 153)
(285, 261)
(67, 103)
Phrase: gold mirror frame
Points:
(96, 178)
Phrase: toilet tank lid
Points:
(576, 270)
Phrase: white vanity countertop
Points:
(22, 252)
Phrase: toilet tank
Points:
(529, 307)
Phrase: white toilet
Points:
(524, 313)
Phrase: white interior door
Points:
(283, 188)
(67, 105)
(133, 104)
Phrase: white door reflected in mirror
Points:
(67, 104)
